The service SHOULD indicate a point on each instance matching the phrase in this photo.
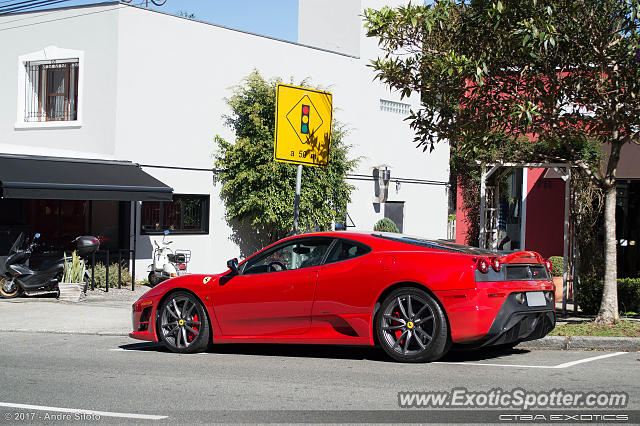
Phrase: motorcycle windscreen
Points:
(18, 244)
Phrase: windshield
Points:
(18, 244)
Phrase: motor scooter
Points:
(167, 263)
(20, 279)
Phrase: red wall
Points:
(462, 224)
(545, 214)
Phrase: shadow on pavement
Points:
(326, 351)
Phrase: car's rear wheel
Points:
(412, 327)
(183, 325)
(9, 288)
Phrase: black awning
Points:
(56, 178)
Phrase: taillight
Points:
(182, 266)
(495, 264)
(483, 266)
(547, 262)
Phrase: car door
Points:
(273, 294)
(344, 288)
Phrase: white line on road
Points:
(564, 365)
(81, 411)
(595, 358)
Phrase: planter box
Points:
(70, 292)
(557, 281)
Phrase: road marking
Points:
(564, 365)
(595, 358)
(81, 411)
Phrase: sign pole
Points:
(296, 208)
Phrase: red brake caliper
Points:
(398, 333)
(195, 327)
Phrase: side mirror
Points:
(233, 265)
(36, 236)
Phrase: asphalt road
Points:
(269, 383)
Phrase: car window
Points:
(295, 255)
(346, 249)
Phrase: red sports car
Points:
(414, 297)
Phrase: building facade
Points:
(114, 82)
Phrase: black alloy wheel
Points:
(9, 288)
(412, 327)
(183, 324)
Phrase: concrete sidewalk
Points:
(100, 313)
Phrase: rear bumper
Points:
(517, 323)
(481, 316)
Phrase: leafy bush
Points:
(589, 295)
(385, 225)
(557, 265)
(100, 276)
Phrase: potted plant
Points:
(557, 269)
(72, 285)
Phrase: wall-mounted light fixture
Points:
(382, 176)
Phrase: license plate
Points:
(536, 298)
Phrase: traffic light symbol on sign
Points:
(304, 125)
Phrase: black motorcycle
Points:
(19, 278)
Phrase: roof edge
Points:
(123, 4)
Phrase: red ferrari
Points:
(414, 297)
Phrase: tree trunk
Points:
(609, 307)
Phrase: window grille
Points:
(51, 91)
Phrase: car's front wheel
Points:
(412, 327)
(183, 325)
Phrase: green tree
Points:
(565, 71)
(259, 192)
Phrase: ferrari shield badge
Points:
(206, 280)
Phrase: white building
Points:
(116, 82)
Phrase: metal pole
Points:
(565, 272)
(93, 270)
(119, 268)
(135, 239)
(296, 208)
(106, 287)
(483, 199)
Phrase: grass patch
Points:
(621, 329)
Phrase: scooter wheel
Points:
(9, 289)
(153, 279)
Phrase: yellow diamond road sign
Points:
(303, 125)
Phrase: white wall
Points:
(383, 137)
(330, 24)
(96, 36)
(155, 89)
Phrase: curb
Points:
(624, 344)
(84, 333)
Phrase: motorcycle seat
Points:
(176, 258)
